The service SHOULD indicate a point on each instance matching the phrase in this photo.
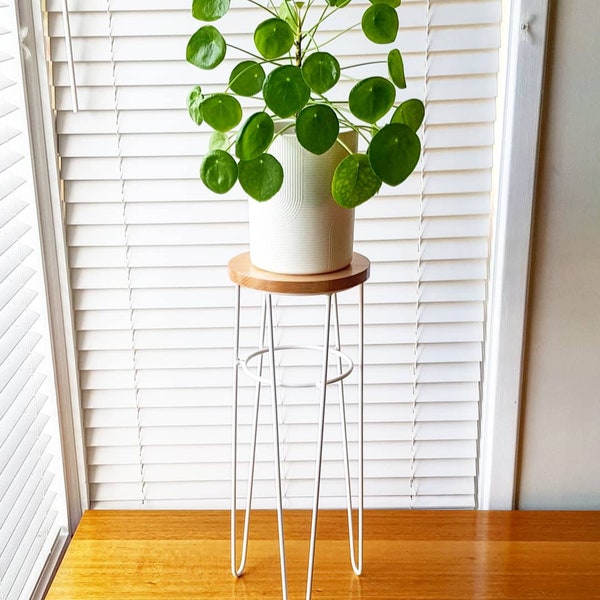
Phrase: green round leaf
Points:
(194, 104)
(206, 48)
(396, 68)
(380, 23)
(218, 141)
(317, 128)
(247, 78)
(273, 38)
(222, 112)
(370, 99)
(261, 177)
(354, 181)
(285, 92)
(255, 136)
(219, 171)
(392, 3)
(321, 71)
(209, 10)
(411, 113)
(394, 153)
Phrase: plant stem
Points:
(365, 64)
(264, 7)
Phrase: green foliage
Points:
(247, 78)
(396, 68)
(206, 48)
(321, 71)
(285, 92)
(317, 128)
(289, 70)
(261, 177)
(255, 136)
(380, 23)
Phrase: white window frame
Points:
(54, 258)
(518, 128)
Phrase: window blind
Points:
(148, 245)
(32, 503)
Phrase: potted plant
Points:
(294, 84)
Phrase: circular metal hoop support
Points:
(349, 364)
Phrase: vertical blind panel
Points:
(154, 308)
(31, 510)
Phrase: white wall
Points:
(560, 431)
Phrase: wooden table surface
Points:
(447, 555)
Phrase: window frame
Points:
(518, 128)
(54, 259)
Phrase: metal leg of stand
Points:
(276, 457)
(317, 485)
(267, 313)
(237, 571)
(356, 565)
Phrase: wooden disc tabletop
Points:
(243, 272)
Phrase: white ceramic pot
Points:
(301, 230)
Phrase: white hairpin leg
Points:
(317, 484)
(276, 457)
(356, 564)
(356, 557)
(237, 571)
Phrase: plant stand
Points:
(244, 274)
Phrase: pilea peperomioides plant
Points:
(296, 78)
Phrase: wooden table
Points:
(447, 555)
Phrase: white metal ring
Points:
(349, 364)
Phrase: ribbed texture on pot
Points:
(301, 230)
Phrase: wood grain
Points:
(429, 555)
(243, 272)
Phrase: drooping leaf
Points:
(392, 3)
(321, 71)
(285, 92)
(206, 48)
(286, 13)
(218, 141)
(209, 10)
(255, 136)
(394, 153)
(273, 38)
(371, 98)
(380, 23)
(194, 102)
(317, 128)
(411, 113)
(354, 181)
(396, 68)
(219, 171)
(247, 78)
(338, 3)
(261, 177)
(222, 112)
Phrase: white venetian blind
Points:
(148, 246)
(32, 503)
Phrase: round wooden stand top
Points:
(243, 272)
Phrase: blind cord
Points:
(69, 52)
(126, 233)
(413, 488)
